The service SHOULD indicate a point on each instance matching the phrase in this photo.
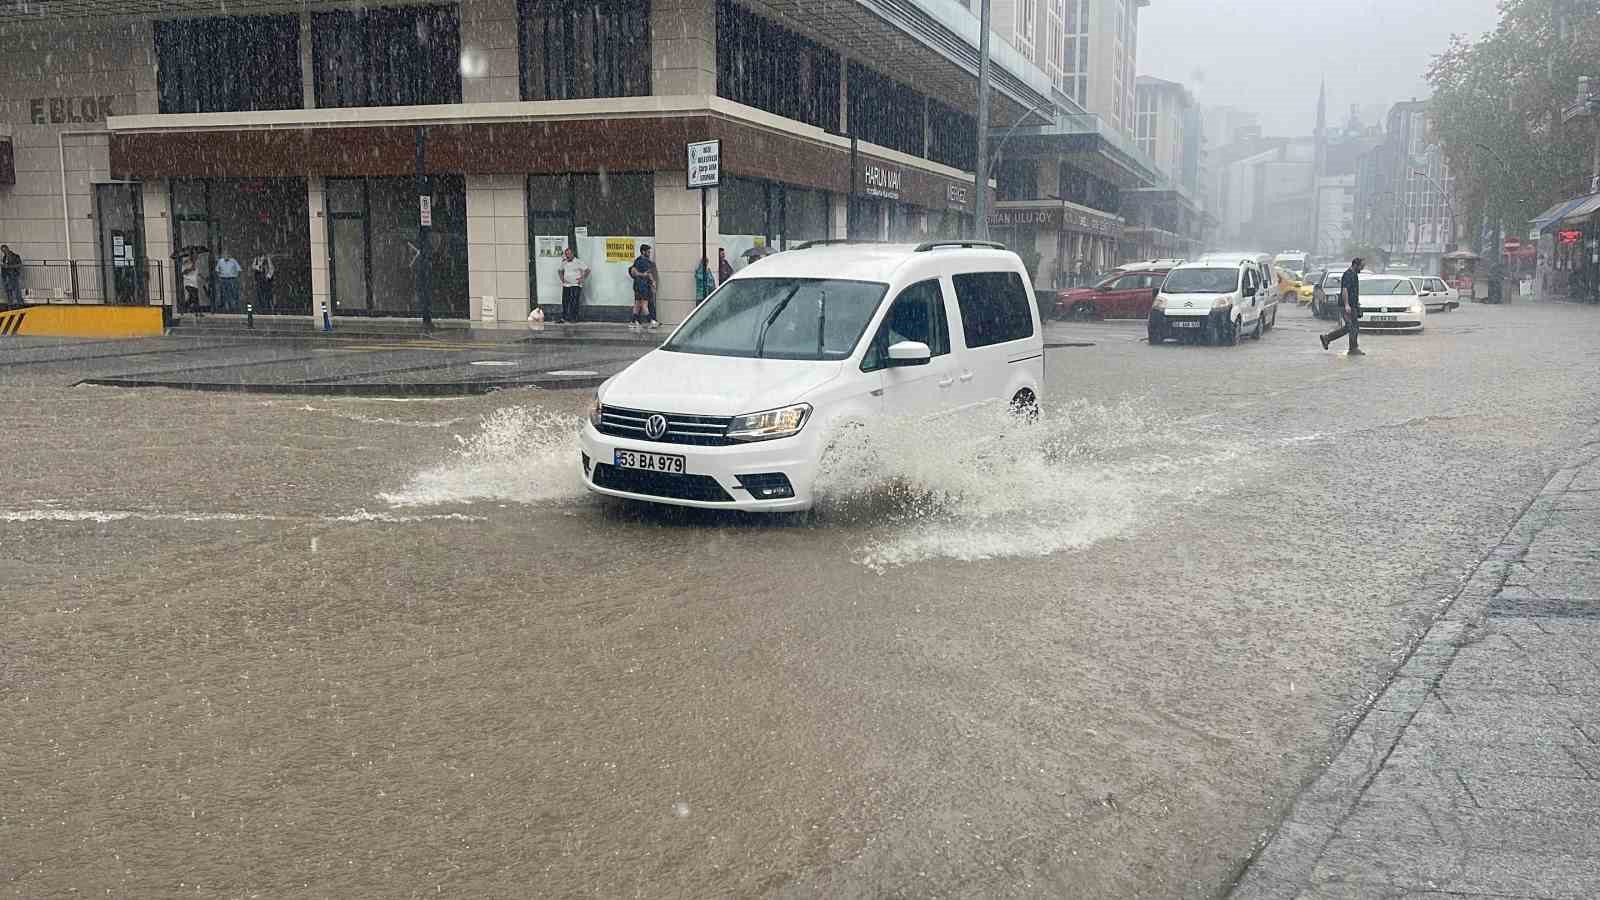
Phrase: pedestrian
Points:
(228, 270)
(724, 267)
(11, 275)
(643, 272)
(702, 281)
(573, 272)
(1350, 306)
(264, 271)
(191, 285)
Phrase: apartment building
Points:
(324, 133)
(1403, 188)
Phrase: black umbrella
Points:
(754, 253)
(191, 250)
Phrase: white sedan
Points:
(1437, 294)
(1391, 303)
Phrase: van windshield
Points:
(781, 318)
(1201, 281)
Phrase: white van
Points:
(735, 409)
(1216, 299)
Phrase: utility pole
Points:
(981, 206)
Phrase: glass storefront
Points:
(248, 218)
(372, 246)
(604, 217)
(754, 213)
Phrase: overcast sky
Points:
(1371, 51)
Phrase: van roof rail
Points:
(824, 242)
(925, 246)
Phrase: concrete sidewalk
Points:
(365, 328)
(1476, 772)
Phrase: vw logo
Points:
(655, 427)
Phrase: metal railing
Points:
(88, 281)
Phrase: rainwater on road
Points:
(322, 646)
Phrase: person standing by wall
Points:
(573, 271)
(11, 275)
(228, 270)
(643, 272)
(191, 285)
(1350, 305)
(724, 267)
(264, 271)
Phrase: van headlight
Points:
(774, 423)
(1160, 302)
(1222, 303)
(594, 410)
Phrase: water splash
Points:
(986, 484)
(521, 454)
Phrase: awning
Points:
(1558, 212)
(1583, 210)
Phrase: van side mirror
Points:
(1249, 290)
(909, 353)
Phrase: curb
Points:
(1281, 865)
(369, 389)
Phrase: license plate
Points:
(1385, 318)
(649, 462)
(1185, 324)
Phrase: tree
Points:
(1496, 109)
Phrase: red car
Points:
(1120, 295)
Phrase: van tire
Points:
(1025, 405)
(1261, 327)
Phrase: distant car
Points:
(1437, 294)
(1390, 303)
(1325, 294)
(1124, 294)
(1294, 286)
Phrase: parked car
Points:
(1390, 303)
(735, 410)
(1122, 294)
(1213, 301)
(1437, 294)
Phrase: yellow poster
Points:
(621, 250)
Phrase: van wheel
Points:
(1271, 320)
(1025, 405)
(1082, 311)
(1261, 327)
(1230, 335)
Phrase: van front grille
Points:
(660, 484)
(700, 431)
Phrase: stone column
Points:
(497, 248)
(683, 47)
(308, 71)
(316, 210)
(677, 243)
(490, 69)
(156, 195)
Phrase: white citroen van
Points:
(1216, 299)
(735, 409)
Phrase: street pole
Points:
(855, 173)
(981, 207)
(424, 227)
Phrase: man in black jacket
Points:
(1350, 305)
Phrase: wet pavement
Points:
(356, 646)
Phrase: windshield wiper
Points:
(761, 339)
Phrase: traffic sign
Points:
(705, 164)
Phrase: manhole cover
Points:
(571, 373)
(494, 362)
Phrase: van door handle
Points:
(966, 376)
(947, 382)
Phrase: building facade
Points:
(324, 135)
(1403, 192)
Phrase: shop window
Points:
(885, 112)
(372, 237)
(578, 49)
(1017, 179)
(952, 137)
(769, 67)
(248, 218)
(387, 56)
(228, 64)
(605, 217)
(808, 215)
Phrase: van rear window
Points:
(994, 307)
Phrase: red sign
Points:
(1568, 237)
(1512, 244)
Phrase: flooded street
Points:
(271, 645)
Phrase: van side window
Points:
(994, 307)
(917, 315)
